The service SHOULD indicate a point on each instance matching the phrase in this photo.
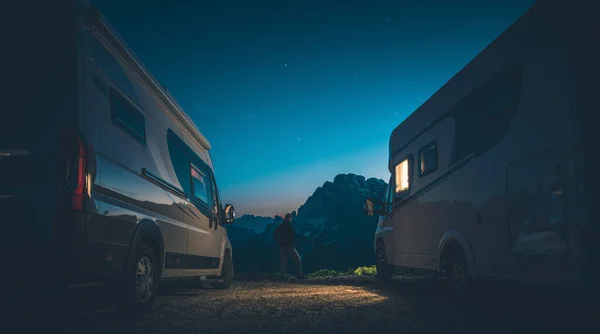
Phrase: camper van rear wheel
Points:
(458, 273)
(226, 272)
(384, 269)
(138, 288)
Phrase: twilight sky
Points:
(292, 93)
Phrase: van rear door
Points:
(38, 66)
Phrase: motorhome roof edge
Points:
(396, 142)
(100, 25)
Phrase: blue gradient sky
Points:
(292, 93)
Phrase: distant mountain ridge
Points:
(255, 223)
(331, 229)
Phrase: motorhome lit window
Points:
(127, 117)
(428, 159)
(199, 186)
(402, 181)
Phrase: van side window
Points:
(125, 116)
(388, 199)
(428, 159)
(483, 117)
(199, 186)
(216, 207)
(402, 176)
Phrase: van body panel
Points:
(145, 168)
(136, 184)
(201, 243)
(508, 165)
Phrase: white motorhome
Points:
(104, 179)
(496, 173)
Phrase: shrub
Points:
(368, 271)
(325, 273)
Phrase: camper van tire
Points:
(138, 289)
(226, 273)
(384, 269)
(456, 271)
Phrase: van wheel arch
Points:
(453, 240)
(149, 233)
(227, 272)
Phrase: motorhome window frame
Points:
(202, 206)
(437, 162)
(119, 123)
(403, 194)
(449, 113)
(217, 197)
(388, 198)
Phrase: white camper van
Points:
(104, 179)
(496, 173)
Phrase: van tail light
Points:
(72, 171)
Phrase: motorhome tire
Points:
(138, 287)
(226, 276)
(457, 274)
(384, 269)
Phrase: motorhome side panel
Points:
(146, 159)
(540, 175)
(492, 129)
(194, 175)
(450, 196)
(133, 161)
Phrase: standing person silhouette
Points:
(284, 235)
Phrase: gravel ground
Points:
(341, 305)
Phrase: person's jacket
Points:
(284, 234)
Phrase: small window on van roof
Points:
(125, 116)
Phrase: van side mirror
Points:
(370, 210)
(229, 214)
